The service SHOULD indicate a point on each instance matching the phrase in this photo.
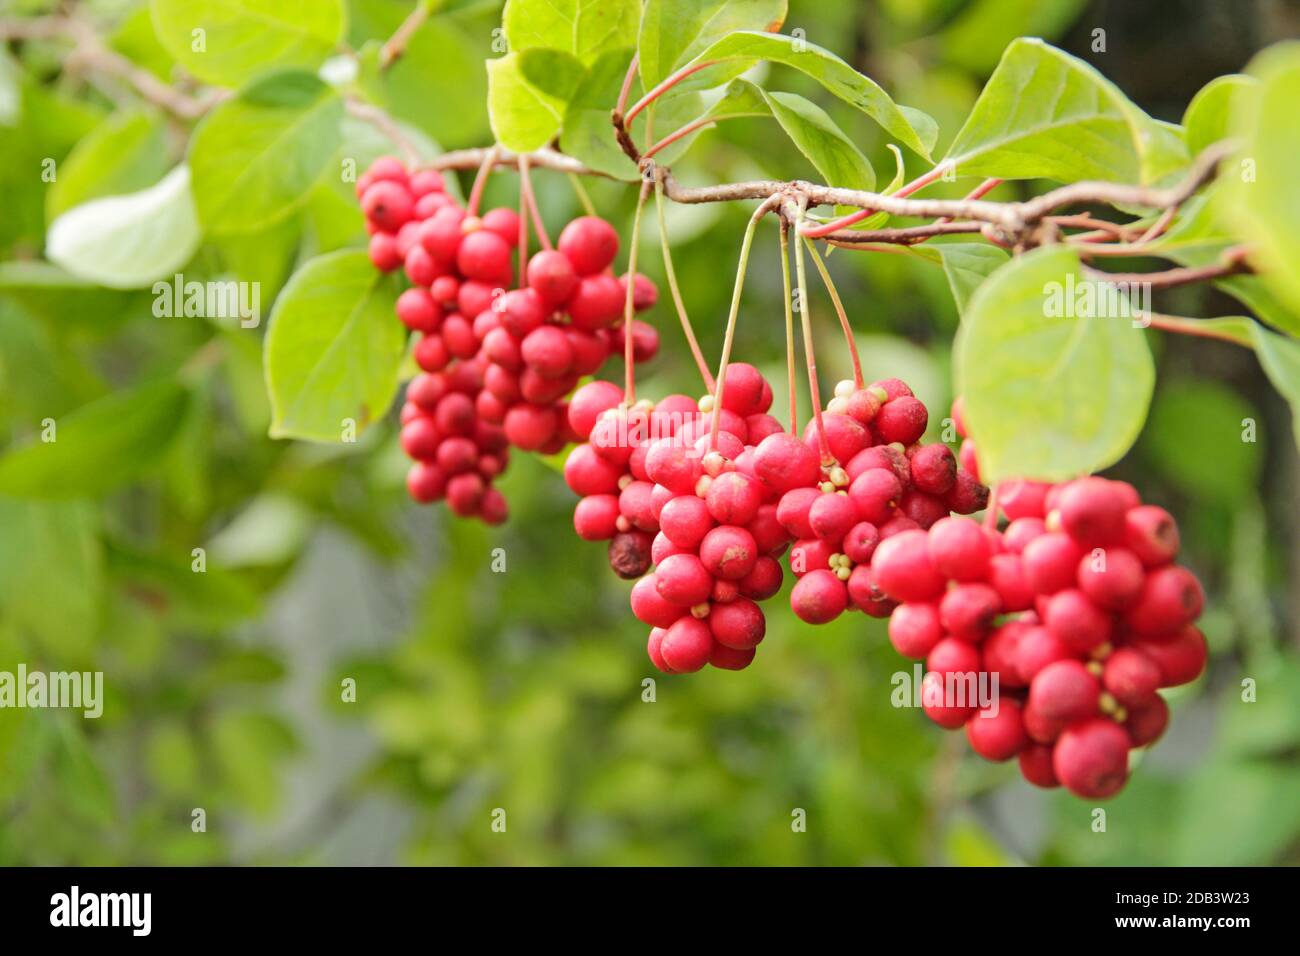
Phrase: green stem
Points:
(805, 319)
(858, 380)
(789, 326)
(629, 375)
(583, 198)
(676, 293)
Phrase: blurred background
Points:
(478, 690)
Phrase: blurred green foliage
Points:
(229, 690)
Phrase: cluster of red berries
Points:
(879, 481)
(496, 361)
(1078, 611)
(658, 484)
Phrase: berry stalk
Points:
(849, 340)
(789, 327)
(814, 391)
(676, 292)
(629, 357)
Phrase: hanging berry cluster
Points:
(496, 360)
(1048, 640)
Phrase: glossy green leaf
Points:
(674, 32)
(824, 144)
(1045, 114)
(552, 73)
(1054, 386)
(125, 242)
(256, 157)
(911, 128)
(1209, 115)
(1262, 193)
(126, 154)
(1194, 421)
(228, 41)
(523, 118)
(98, 447)
(966, 264)
(584, 28)
(333, 349)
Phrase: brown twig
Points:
(1232, 262)
(395, 46)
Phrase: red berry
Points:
(1091, 758)
(425, 482)
(1131, 677)
(547, 350)
(914, 628)
(650, 607)
(685, 520)
(457, 454)
(1146, 723)
(1077, 621)
(997, 732)
(644, 292)
(1023, 499)
(485, 256)
(953, 656)
(902, 420)
(793, 510)
(425, 181)
(1036, 765)
(863, 405)
(968, 610)
(819, 597)
(860, 542)
(760, 426)
(1151, 533)
(384, 253)
(934, 470)
(465, 493)
(441, 235)
(941, 706)
(1020, 532)
(455, 414)
(728, 552)
(1171, 598)
(892, 387)
(1007, 575)
(764, 580)
(594, 517)
(589, 243)
(586, 473)
(388, 204)
(810, 554)
(738, 624)
(597, 302)
(1051, 562)
(653, 646)
(902, 568)
(1092, 511)
(683, 580)
(1180, 659)
(959, 549)
(887, 457)
(551, 276)
(783, 462)
(876, 493)
(458, 336)
(687, 645)
(733, 498)
(522, 313)
(968, 455)
(967, 495)
(675, 467)
(768, 534)
(1111, 577)
(831, 516)
(730, 658)
(1064, 690)
(999, 651)
(504, 221)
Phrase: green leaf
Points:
(522, 117)
(125, 242)
(1207, 118)
(256, 156)
(554, 73)
(248, 748)
(982, 28)
(588, 134)
(51, 575)
(823, 143)
(228, 41)
(333, 349)
(584, 28)
(1265, 205)
(99, 446)
(832, 73)
(125, 154)
(966, 264)
(1049, 396)
(1045, 114)
(1280, 358)
(675, 32)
